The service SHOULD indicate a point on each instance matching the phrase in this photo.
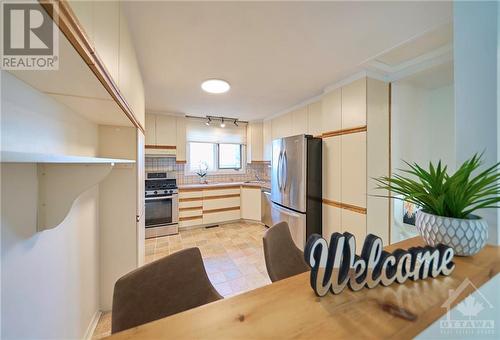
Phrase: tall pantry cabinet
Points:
(353, 121)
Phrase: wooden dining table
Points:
(289, 308)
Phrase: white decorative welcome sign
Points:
(335, 266)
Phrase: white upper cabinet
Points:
(299, 121)
(84, 11)
(314, 119)
(254, 142)
(106, 22)
(332, 111)
(106, 29)
(268, 140)
(150, 132)
(166, 134)
(181, 139)
(130, 80)
(354, 104)
(282, 126)
(166, 130)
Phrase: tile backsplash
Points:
(168, 164)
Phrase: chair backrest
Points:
(283, 258)
(173, 284)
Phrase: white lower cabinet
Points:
(207, 206)
(331, 221)
(213, 203)
(250, 203)
(221, 216)
(354, 223)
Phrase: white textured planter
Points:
(465, 236)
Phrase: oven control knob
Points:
(155, 192)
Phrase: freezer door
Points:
(296, 222)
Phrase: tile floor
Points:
(232, 253)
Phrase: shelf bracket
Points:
(59, 185)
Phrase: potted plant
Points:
(448, 202)
(202, 172)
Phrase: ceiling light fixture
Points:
(209, 120)
(215, 86)
(236, 122)
(222, 124)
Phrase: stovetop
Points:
(158, 184)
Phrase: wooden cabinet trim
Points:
(210, 211)
(229, 186)
(189, 189)
(190, 218)
(162, 147)
(190, 208)
(344, 131)
(249, 186)
(191, 199)
(180, 162)
(69, 25)
(220, 196)
(350, 207)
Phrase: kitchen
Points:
(182, 158)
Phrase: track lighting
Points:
(222, 124)
(236, 122)
(209, 120)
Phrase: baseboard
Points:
(92, 325)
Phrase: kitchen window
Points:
(215, 157)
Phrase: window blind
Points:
(198, 131)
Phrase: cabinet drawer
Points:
(222, 191)
(190, 193)
(190, 212)
(191, 203)
(189, 222)
(221, 203)
(221, 216)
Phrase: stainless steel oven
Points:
(162, 205)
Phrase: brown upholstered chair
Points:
(283, 258)
(173, 284)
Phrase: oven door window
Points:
(158, 211)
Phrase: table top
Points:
(290, 309)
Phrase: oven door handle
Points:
(158, 198)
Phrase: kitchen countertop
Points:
(290, 309)
(258, 184)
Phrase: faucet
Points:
(256, 175)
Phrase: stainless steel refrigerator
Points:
(296, 185)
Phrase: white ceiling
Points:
(274, 54)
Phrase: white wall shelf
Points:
(30, 157)
(61, 179)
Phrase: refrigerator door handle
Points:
(279, 171)
(285, 167)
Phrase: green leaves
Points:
(438, 193)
